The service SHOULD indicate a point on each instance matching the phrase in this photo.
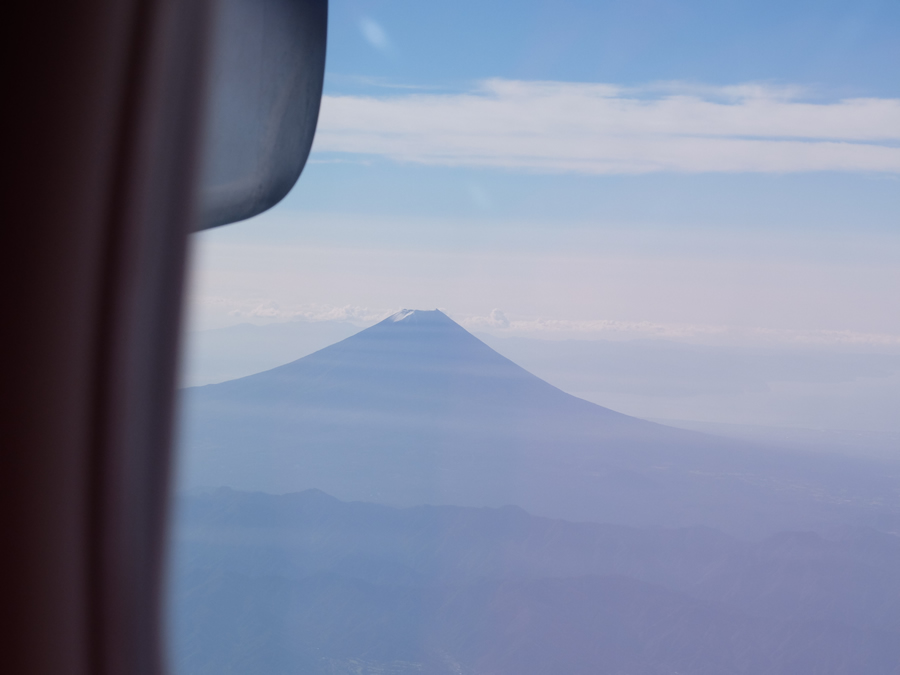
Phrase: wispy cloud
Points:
(610, 329)
(268, 310)
(498, 323)
(605, 129)
(374, 34)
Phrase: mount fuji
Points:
(416, 410)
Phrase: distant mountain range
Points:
(415, 410)
(304, 583)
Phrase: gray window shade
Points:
(268, 61)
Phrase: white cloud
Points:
(495, 320)
(610, 329)
(497, 323)
(597, 328)
(270, 310)
(604, 129)
(374, 34)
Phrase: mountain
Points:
(416, 410)
(307, 583)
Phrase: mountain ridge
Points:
(375, 586)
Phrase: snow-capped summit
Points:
(402, 314)
(433, 316)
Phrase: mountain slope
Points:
(416, 410)
(423, 366)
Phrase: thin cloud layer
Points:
(498, 323)
(607, 329)
(603, 129)
(270, 310)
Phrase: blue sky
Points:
(701, 168)
(842, 47)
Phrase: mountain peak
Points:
(420, 316)
(416, 410)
